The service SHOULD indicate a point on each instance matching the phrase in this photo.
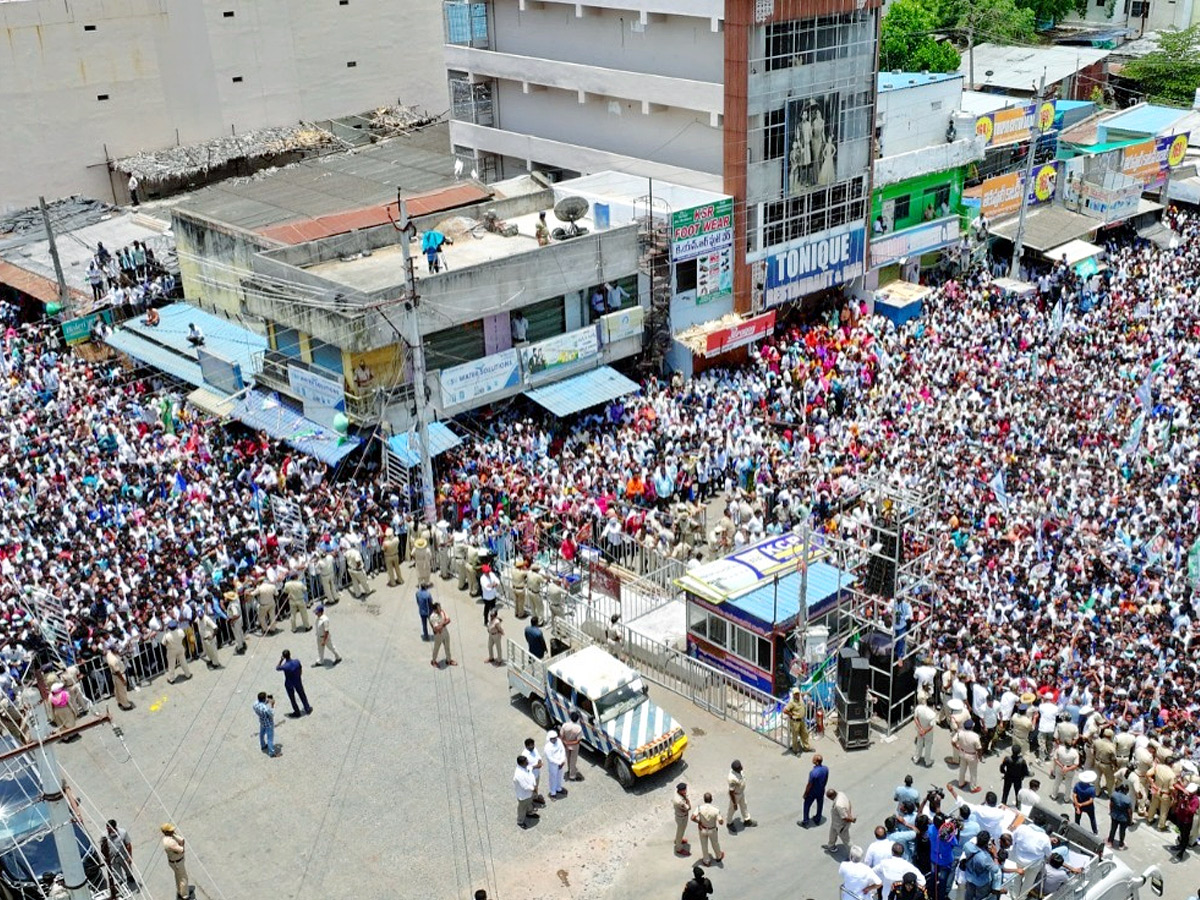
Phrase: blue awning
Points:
(264, 412)
(165, 346)
(582, 391)
(441, 439)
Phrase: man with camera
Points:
(264, 708)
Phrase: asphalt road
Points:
(399, 784)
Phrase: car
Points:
(28, 854)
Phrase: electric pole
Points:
(1014, 270)
(64, 296)
(417, 349)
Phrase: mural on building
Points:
(812, 138)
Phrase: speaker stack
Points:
(854, 675)
(894, 686)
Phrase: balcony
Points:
(361, 408)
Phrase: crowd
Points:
(129, 280)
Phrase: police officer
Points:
(391, 558)
(683, 808)
(423, 559)
(265, 594)
(534, 583)
(708, 818)
(1104, 758)
(359, 586)
(924, 717)
(556, 598)
(796, 712)
(473, 566)
(326, 574)
(571, 734)
(173, 847)
(173, 643)
(737, 796)
(518, 580)
(294, 589)
(1022, 725)
(459, 558)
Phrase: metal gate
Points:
(288, 519)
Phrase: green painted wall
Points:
(920, 192)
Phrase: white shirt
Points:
(488, 583)
(894, 868)
(1027, 799)
(857, 879)
(1047, 717)
(877, 852)
(524, 782)
(1030, 844)
(555, 752)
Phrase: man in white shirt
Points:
(893, 869)
(524, 784)
(1028, 797)
(857, 877)
(1047, 718)
(1030, 844)
(520, 327)
(879, 849)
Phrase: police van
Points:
(618, 718)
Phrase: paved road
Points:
(398, 785)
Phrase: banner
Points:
(622, 324)
(481, 378)
(564, 350)
(749, 331)
(1150, 161)
(323, 397)
(915, 241)
(701, 230)
(1008, 126)
(714, 275)
(76, 331)
(1001, 196)
(814, 264)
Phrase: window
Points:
(470, 102)
(327, 356)
(803, 42)
(752, 648)
(89, 27)
(466, 23)
(352, 65)
(561, 687)
(452, 346)
(773, 134)
(228, 14)
(685, 276)
(1139, 10)
(237, 79)
(343, 2)
(901, 210)
(102, 96)
(546, 319)
(286, 341)
(938, 197)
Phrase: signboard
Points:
(622, 324)
(737, 573)
(1001, 195)
(725, 339)
(558, 352)
(701, 229)
(481, 378)
(1008, 126)
(814, 264)
(604, 581)
(76, 331)
(1150, 161)
(223, 374)
(323, 397)
(714, 275)
(889, 248)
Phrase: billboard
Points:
(544, 357)
(1001, 196)
(811, 127)
(815, 263)
(76, 331)
(723, 340)
(323, 398)
(1009, 126)
(1150, 161)
(889, 248)
(481, 378)
(701, 229)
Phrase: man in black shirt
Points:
(1014, 770)
(699, 887)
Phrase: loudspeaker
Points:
(846, 656)
(1053, 822)
(859, 680)
(854, 735)
(850, 710)
(895, 689)
(881, 568)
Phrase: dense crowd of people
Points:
(130, 280)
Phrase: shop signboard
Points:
(477, 380)
(723, 340)
(76, 331)
(1009, 126)
(815, 263)
(1001, 195)
(622, 324)
(323, 397)
(891, 248)
(1150, 161)
(547, 357)
(701, 230)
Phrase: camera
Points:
(270, 696)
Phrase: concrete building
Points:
(83, 82)
(768, 101)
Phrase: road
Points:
(399, 784)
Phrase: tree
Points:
(1049, 11)
(997, 21)
(1171, 73)
(907, 41)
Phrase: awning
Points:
(582, 391)
(902, 293)
(1159, 235)
(1074, 251)
(1047, 226)
(211, 402)
(726, 333)
(264, 412)
(156, 356)
(441, 439)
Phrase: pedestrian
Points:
(439, 621)
(708, 820)
(133, 185)
(682, 806)
(814, 791)
(495, 630)
(859, 880)
(489, 588)
(571, 734)
(699, 888)
(233, 613)
(535, 765)
(264, 708)
(174, 847)
(61, 710)
(293, 683)
(841, 817)
(117, 851)
(116, 669)
(796, 712)
(391, 558)
(737, 796)
(978, 867)
(174, 642)
(1187, 802)
(423, 559)
(297, 596)
(1083, 799)
(534, 639)
(524, 784)
(1013, 770)
(969, 747)
(424, 607)
(556, 758)
(325, 638)
(1120, 815)
(924, 718)
(1028, 797)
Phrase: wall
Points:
(915, 117)
(167, 67)
(212, 260)
(915, 190)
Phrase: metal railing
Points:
(364, 406)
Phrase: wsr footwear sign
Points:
(814, 264)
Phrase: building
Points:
(89, 81)
(768, 101)
(1071, 73)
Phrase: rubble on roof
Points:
(67, 214)
(397, 118)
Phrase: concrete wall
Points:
(167, 68)
(916, 117)
(212, 260)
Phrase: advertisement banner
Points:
(1001, 195)
(544, 357)
(811, 126)
(818, 262)
(747, 332)
(890, 248)
(481, 378)
(323, 397)
(76, 331)
(701, 230)
(714, 275)
(622, 324)
(1150, 161)
(1008, 126)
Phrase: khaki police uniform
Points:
(925, 718)
(517, 580)
(173, 846)
(1162, 777)
(423, 559)
(796, 712)
(266, 606)
(439, 622)
(325, 572)
(737, 798)
(116, 668)
(1063, 767)
(534, 584)
(708, 818)
(294, 589)
(359, 586)
(173, 643)
(683, 809)
(473, 567)
(1104, 757)
(391, 559)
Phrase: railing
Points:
(362, 406)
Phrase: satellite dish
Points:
(570, 210)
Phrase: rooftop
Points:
(894, 81)
(1146, 119)
(1020, 68)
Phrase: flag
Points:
(1160, 362)
(997, 486)
(1056, 319)
(166, 412)
(1112, 410)
(181, 484)
(1194, 565)
(1144, 395)
(1135, 435)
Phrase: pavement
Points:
(399, 783)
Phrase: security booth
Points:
(744, 613)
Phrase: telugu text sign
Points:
(701, 229)
(1008, 126)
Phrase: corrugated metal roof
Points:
(441, 439)
(582, 391)
(211, 402)
(221, 336)
(266, 412)
(34, 285)
(156, 355)
(1048, 226)
(1147, 119)
(773, 603)
(892, 81)
(1019, 68)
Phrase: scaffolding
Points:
(886, 540)
(654, 263)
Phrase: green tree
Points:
(1171, 73)
(907, 40)
(1049, 11)
(995, 21)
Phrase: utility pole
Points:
(1014, 270)
(971, 47)
(411, 304)
(64, 296)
